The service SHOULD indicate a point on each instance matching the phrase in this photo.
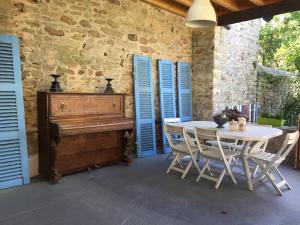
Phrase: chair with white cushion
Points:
(180, 150)
(215, 153)
(268, 163)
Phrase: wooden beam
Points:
(257, 2)
(169, 5)
(187, 3)
(231, 5)
(264, 2)
(259, 12)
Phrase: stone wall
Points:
(235, 61)
(272, 92)
(226, 71)
(86, 41)
(202, 73)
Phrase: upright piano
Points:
(80, 130)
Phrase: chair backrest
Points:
(204, 135)
(173, 133)
(289, 142)
(189, 139)
(171, 120)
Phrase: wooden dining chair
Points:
(172, 121)
(269, 163)
(180, 150)
(238, 145)
(212, 152)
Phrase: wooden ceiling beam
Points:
(169, 5)
(257, 2)
(259, 12)
(264, 2)
(231, 5)
(187, 3)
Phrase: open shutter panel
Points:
(184, 91)
(13, 147)
(144, 106)
(167, 96)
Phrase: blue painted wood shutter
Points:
(13, 146)
(144, 106)
(166, 95)
(184, 91)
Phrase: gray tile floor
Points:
(143, 194)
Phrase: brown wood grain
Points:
(88, 130)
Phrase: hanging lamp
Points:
(201, 14)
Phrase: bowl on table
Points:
(220, 120)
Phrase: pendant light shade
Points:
(201, 14)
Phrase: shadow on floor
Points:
(143, 194)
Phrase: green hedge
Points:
(270, 121)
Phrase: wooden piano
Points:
(79, 130)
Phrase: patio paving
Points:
(143, 194)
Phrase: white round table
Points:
(254, 133)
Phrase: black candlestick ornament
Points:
(109, 88)
(55, 86)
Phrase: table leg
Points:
(244, 157)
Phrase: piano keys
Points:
(80, 130)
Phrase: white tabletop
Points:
(253, 133)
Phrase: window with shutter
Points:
(144, 106)
(166, 95)
(13, 147)
(184, 91)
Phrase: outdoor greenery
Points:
(278, 116)
(280, 42)
(280, 48)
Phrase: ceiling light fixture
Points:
(201, 14)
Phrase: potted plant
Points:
(274, 120)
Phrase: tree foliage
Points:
(280, 48)
(280, 42)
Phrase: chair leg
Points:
(209, 170)
(236, 161)
(230, 171)
(175, 160)
(220, 178)
(274, 184)
(194, 159)
(282, 177)
(186, 169)
(203, 170)
(262, 175)
(255, 171)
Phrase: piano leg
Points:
(55, 174)
(124, 158)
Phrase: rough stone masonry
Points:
(88, 40)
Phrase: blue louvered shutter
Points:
(166, 95)
(184, 91)
(13, 147)
(144, 106)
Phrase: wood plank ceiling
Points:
(233, 11)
